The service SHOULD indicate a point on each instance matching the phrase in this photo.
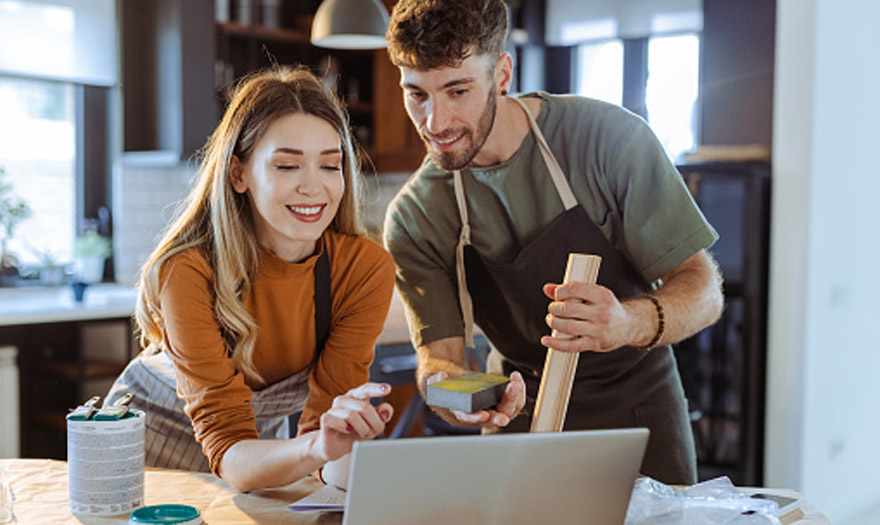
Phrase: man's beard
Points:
(451, 160)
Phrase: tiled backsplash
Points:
(146, 198)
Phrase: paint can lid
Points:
(169, 514)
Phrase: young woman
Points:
(263, 299)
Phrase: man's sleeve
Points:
(424, 274)
(662, 225)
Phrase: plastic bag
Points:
(716, 501)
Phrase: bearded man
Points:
(512, 185)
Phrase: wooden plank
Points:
(560, 367)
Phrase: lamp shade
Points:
(350, 24)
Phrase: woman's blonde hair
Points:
(219, 222)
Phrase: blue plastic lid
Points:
(166, 514)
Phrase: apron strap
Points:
(562, 186)
(464, 238)
(323, 311)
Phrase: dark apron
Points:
(618, 389)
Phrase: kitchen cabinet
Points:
(365, 81)
(167, 76)
(59, 370)
(177, 76)
(397, 145)
(723, 367)
(242, 49)
(67, 352)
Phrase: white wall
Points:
(823, 360)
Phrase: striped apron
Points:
(170, 441)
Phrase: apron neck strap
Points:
(464, 238)
(562, 186)
(323, 300)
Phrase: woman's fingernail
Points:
(384, 388)
(348, 427)
(385, 414)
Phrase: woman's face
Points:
(294, 181)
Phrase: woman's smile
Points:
(307, 213)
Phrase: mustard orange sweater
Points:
(217, 396)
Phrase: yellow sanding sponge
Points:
(469, 392)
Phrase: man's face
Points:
(453, 108)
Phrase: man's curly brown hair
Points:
(427, 34)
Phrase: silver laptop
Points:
(566, 477)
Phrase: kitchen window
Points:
(58, 78)
(672, 90)
(655, 77)
(38, 156)
(600, 71)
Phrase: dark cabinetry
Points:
(397, 145)
(61, 364)
(242, 49)
(736, 72)
(167, 75)
(723, 367)
(177, 76)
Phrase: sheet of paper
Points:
(326, 498)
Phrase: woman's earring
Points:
(503, 92)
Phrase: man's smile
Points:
(445, 143)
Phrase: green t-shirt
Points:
(617, 170)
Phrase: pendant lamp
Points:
(350, 24)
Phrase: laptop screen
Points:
(567, 477)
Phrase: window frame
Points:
(93, 158)
(94, 161)
(635, 72)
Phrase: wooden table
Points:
(41, 496)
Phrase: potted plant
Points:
(51, 269)
(13, 210)
(89, 251)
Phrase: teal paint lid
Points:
(169, 514)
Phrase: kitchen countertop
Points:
(55, 304)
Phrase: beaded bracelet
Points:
(661, 323)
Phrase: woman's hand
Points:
(351, 418)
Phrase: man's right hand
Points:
(509, 407)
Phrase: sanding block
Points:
(469, 392)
